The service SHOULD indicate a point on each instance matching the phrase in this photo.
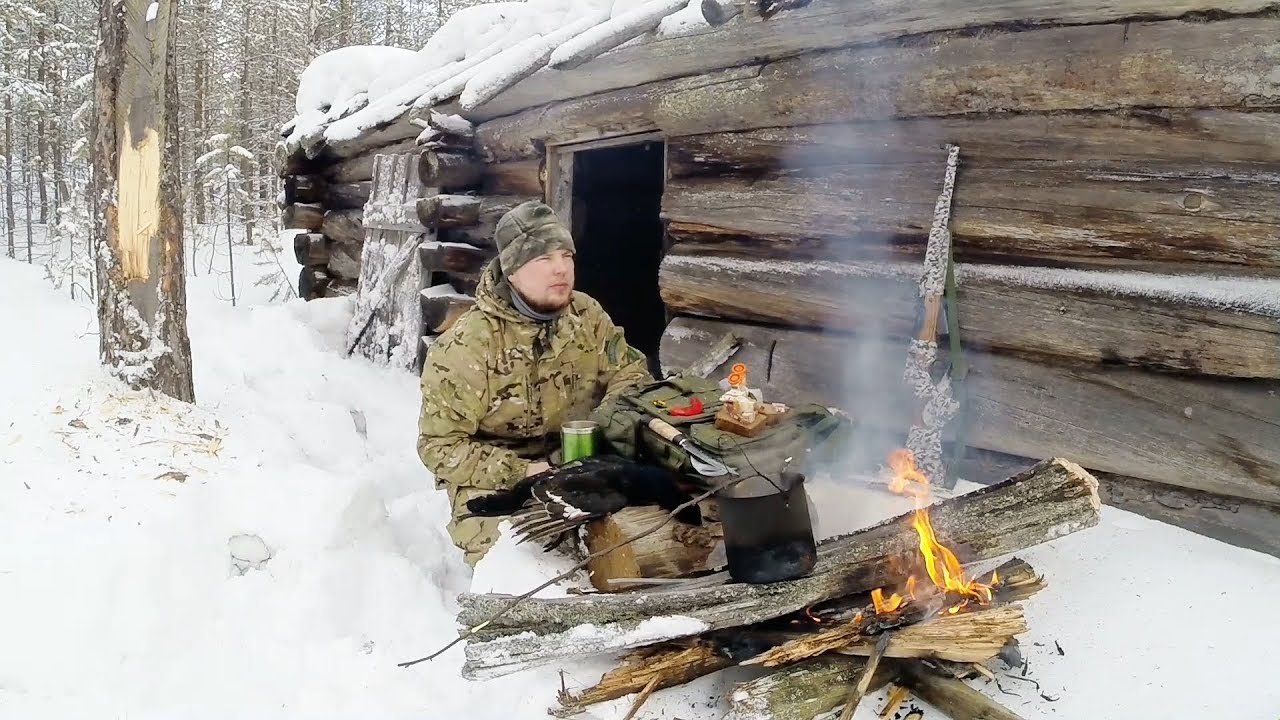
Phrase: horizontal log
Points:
(303, 189)
(817, 26)
(453, 257)
(1194, 143)
(1212, 435)
(449, 172)
(360, 167)
(303, 216)
(347, 196)
(313, 282)
(953, 697)
(520, 177)
(1170, 64)
(1209, 326)
(372, 139)
(448, 211)
(310, 249)
(1237, 521)
(344, 226)
(672, 663)
(1033, 211)
(492, 208)
(439, 312)
(1023, 511)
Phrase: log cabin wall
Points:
(1112, 156)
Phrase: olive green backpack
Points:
(783, 446)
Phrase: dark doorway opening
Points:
(617, 198)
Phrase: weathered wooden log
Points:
(1169, 64)
(448, 211)
(1237, 521)
(802, 691)
(1212, 435)
(303, 189)
(344, 226)
(347, 196)
(675, 550)
(439, 312)
(1033, 211)
(825, 25)
(1054, 497)
(450, 172)
(373, 139)
(310, 249)
(344, 260)
(1188, 143)
(672, 663)
(953, 697)
(590, 44)
(360, 167)
(1211, 327)
(453, 257)
(313, 282)
(290, 159)
(303, 216)
(517, 178)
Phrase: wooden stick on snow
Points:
(936, 405)
(860, 688)
(953, 697)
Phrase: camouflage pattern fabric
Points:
(530, 229)
(497, 387)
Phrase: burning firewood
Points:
(1054, 498)
(669, 664)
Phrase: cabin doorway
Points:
(614, 198)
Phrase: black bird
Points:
(547, 506)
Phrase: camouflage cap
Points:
(528, 230)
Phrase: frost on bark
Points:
(142, 309)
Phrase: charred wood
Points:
(303, 189)
(310, 249)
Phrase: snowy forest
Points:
(238, 63)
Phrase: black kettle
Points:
(768, 534)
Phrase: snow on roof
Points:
(478, 51)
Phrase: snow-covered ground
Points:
(120, 598)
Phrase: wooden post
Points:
(142, 306)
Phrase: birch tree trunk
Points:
(10, 222)
(142, 294)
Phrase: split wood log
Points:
(360, 167)
(673, 551)
(344, 226)
(310, 249)
(1051, 499)
(802, 691)
(303, 216)
(1164, 323)
(1030, 211)
(447, 171)
(303, 189)
(448, 211)
(453, 257)
(1212, 435)
(440, 312)
(1127, 71)
(394, 132)
(671, 663)
(953, 697)
(589, 44)
(823, 25)
(516, 178)
(863, 684)
(347, 196)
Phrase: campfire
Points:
(897, 603)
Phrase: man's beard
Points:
(549, 305)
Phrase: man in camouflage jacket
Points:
(532, 354)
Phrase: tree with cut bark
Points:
(142, 291)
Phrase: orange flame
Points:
(940, 563)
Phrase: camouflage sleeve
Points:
(455, 396)
(623, 366)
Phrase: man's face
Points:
(546, 282)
